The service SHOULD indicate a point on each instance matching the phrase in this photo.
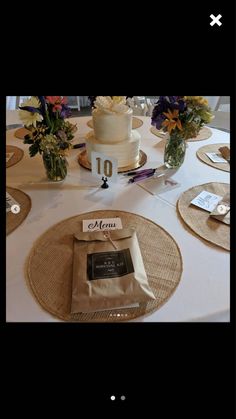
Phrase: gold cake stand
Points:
(83, 161)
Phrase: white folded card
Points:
(206, 200)
(9, 156)
(102, 224)
(156, 186)
(216, 158)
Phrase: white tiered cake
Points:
(113, 134)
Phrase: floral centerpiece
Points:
(50, 134)
(182, 117)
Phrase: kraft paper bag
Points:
(222, 210)
(108, 271)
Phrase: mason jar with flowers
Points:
(49, 133)
(182, 117)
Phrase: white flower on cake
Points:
(108, 104)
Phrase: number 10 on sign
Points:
(103, 165)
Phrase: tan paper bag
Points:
(222, 210)
(108, 271)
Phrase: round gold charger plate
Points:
(136, 123)
(199, 220)
(14, 220)
(50, 267)
(83, 161)
(21, 132)
(204, 134)
(17, 156)
(213, 148)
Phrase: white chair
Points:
(139, 109)
(219, 103)
(13, 102)
(224, 104)
(74, 102)
(213, 101)
(221, 121)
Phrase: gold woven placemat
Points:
(50, 267)
(213, 148)
(136, 123)
(17, 156)
(204, 134)
(199, 220)
(21, 132)
(14, 220)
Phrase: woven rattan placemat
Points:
(199, 220)
(204, 134)
(14, 220)
(21, 132)
(17, 156)
(50, 266)
(213, 148)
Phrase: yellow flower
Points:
(172, 120)
(30, 118)
(119, 99)
(198, 100)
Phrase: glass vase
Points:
(175, 150)
(56, 166)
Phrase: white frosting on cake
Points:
(112, 125)
(126, 152)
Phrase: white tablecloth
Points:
(204, 291)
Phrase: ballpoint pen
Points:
(79, 145)
(144, 176)
(139, 172)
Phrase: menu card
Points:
(102, 224)
(207, 201)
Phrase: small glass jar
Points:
(175, 150)
(56, 166)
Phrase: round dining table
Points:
(203, 294)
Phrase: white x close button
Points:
(215, 20)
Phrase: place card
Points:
(103, 224)
(10, 201)
(206, 200)
(216, 158)
(159, 185)
(9, 156)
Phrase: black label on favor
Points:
(109, 264)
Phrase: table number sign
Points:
(207, 201)
(102, 224)
(104, 166)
